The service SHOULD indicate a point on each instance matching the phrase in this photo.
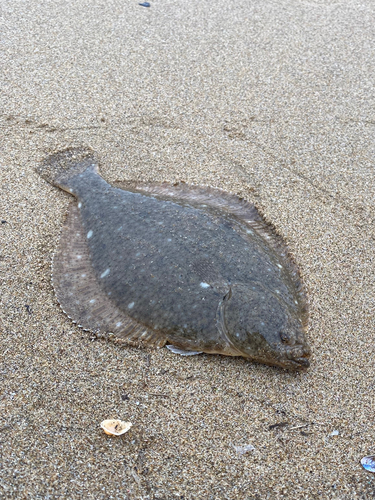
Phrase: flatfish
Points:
(193, 268)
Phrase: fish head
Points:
(262, 326)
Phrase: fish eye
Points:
(284, 337)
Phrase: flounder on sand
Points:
(193, 267)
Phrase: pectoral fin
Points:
(182, 352)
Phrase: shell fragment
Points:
(368, 463)
(115, 427)
(241, 450)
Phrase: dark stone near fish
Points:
(194, 267)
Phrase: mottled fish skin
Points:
(198, 275)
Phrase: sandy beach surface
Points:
(272, 100)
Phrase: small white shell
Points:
(241, 450)
(368, 463)
(115, 427)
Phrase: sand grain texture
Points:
(273, 101)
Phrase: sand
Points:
(271, 100)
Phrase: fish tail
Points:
(60, 168)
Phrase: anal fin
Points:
(80, 295)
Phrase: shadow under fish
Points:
(193, 267)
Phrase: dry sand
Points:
(273, 100)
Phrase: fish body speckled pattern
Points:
(194, 267)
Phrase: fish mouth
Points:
(298, 364)
(296, 358)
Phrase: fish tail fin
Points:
(59, 168)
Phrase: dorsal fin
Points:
(80, 296)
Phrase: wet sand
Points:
(273, 101)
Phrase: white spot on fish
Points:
(119, 228)
(106, 272)
(89, 234)
(249, 231)
(83, 275)
(119, 323)
(169, 239)
(79, 256)
(204, 285)
(79, 205)
(131, 305)
(280, 266)
(92, 301)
